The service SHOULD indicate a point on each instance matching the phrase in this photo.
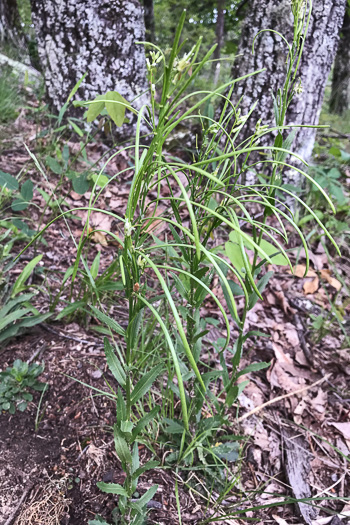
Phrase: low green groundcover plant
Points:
(16, 382)
(165, 280)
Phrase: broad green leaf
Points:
(116, 107)
(234, 392)
(8, 181)
(233, 252)
(27, 190)
(174, 426)
(100, 180)
(126, 426)
(270, 249)
(80, 184)
(95, 266)
(19, 205)
(145, 383)
(121, 447)
(112, 488)
(228, 451)
(95, 108)
(114, 364)
(25, 274)
(54, 165)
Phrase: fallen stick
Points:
(22, 498)
(280, 398)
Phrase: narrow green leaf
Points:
(148, 496)
(145, 384)
(114, 363)
(113, 325)
(112, 488)
(147, 466)
(144, 421)
(25, 274)
(71, 308)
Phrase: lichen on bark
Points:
(270, 53)
(93, 36)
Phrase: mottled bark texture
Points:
(10, 24)
(340, 97)
(93, 36)
(270, 53)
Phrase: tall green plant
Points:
(209, 192)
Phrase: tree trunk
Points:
(220, 23)
(340, 97)
(91, 36)
(270, 53)
(10, 27)
(149, 20)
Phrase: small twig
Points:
(298, 322)
(70, 337)
(22, 498)
(37, 352)
(280, 398)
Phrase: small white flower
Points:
(128, 228)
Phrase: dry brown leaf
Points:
(319, 402)
(300, 269)
(292, 336)
(282, 301)
(99, 238)
(326, 275)
(344, 428)
(279, 520)
(311, 287)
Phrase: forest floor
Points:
(294, 417)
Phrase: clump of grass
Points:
(10, 97)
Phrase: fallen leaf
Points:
(319, 402)
(99, 238)
(279, 520)
(311, 287)
(300, 269)
(326, 275)
(292, 336)
(344, 428)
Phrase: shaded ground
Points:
(48, 474)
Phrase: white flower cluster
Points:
(142, 261)
(128, 228)
(182, 64)
(156, 57)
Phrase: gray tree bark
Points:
(340, 97)
(93, 36)
(10, 28)
(270, 53)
